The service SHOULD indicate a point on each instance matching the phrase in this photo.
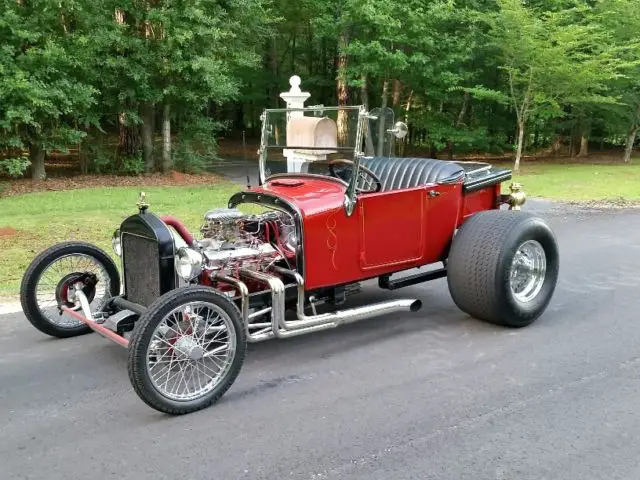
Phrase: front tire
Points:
(186, 350)
(503, 267)
(49, 276)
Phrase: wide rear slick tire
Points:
(482, 278)
(32, 276)
(169, 346)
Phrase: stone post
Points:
(295, 98)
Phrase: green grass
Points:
(43, 219)
(575, 182)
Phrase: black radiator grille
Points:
(141, 269)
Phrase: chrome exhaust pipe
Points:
(244, 308)
(314, 323)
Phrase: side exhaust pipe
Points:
(313, 323)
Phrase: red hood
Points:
(311, 195)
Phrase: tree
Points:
(550, 58)
(45, 85)
(622, 19)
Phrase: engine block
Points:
(233, 240)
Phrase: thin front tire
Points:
(186, 350)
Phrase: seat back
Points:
(400, 173)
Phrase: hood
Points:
(310, 195)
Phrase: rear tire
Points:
(503, 267)
(42, 312)
(168, 348)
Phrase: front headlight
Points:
(116, 244)
(188, 263)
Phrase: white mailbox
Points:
(312, 132)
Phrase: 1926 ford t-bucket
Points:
(348, 213)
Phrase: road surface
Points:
(433, 395)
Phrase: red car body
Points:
(388, 231)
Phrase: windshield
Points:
(308, 140)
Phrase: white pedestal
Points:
(299, 161)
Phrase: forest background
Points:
(134, 86)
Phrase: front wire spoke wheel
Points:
(50, 276)
(191, 352)
(186, 350)
(52, 288)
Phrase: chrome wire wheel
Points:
(53, 272)
(53, 284)
(528, 271)
(191, 351)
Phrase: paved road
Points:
(426, 396)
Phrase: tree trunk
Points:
(406, 120)
(556, 146)
(516, 165)
(36, 156)
(584, 147)
(129, 138)
(397, 91)
(341, 89)
(274, 72)
(166, 138)
(381, 119)
(309, 49)
(456, 124)
(364, 92)
(631, 138)
(147, 136)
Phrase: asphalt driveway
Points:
(433, 395)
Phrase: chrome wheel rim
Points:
(528, 271)
(191, 351)
(48, 282)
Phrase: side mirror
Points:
(400, 130)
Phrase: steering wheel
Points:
(362, 182)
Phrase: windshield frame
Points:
(363, 116)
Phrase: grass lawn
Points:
(42, 219)
(31, 222)
(576, 182)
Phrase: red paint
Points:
(484, 199)
(123, 342)
(179, 227)
(388, 231)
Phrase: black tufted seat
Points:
(398, 173)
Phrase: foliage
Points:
(14, 167)
(45, 89)
(465, 74)
(196, 148)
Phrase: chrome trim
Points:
(314, 323)
(350, 195)
(244, 307)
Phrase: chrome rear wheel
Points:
(528, 270)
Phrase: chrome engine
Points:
(233, 240)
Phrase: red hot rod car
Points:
(185, 308)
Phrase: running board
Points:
(385, 280)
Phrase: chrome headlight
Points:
(116, 244)
(188, 263)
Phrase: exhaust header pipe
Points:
(314, 323)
